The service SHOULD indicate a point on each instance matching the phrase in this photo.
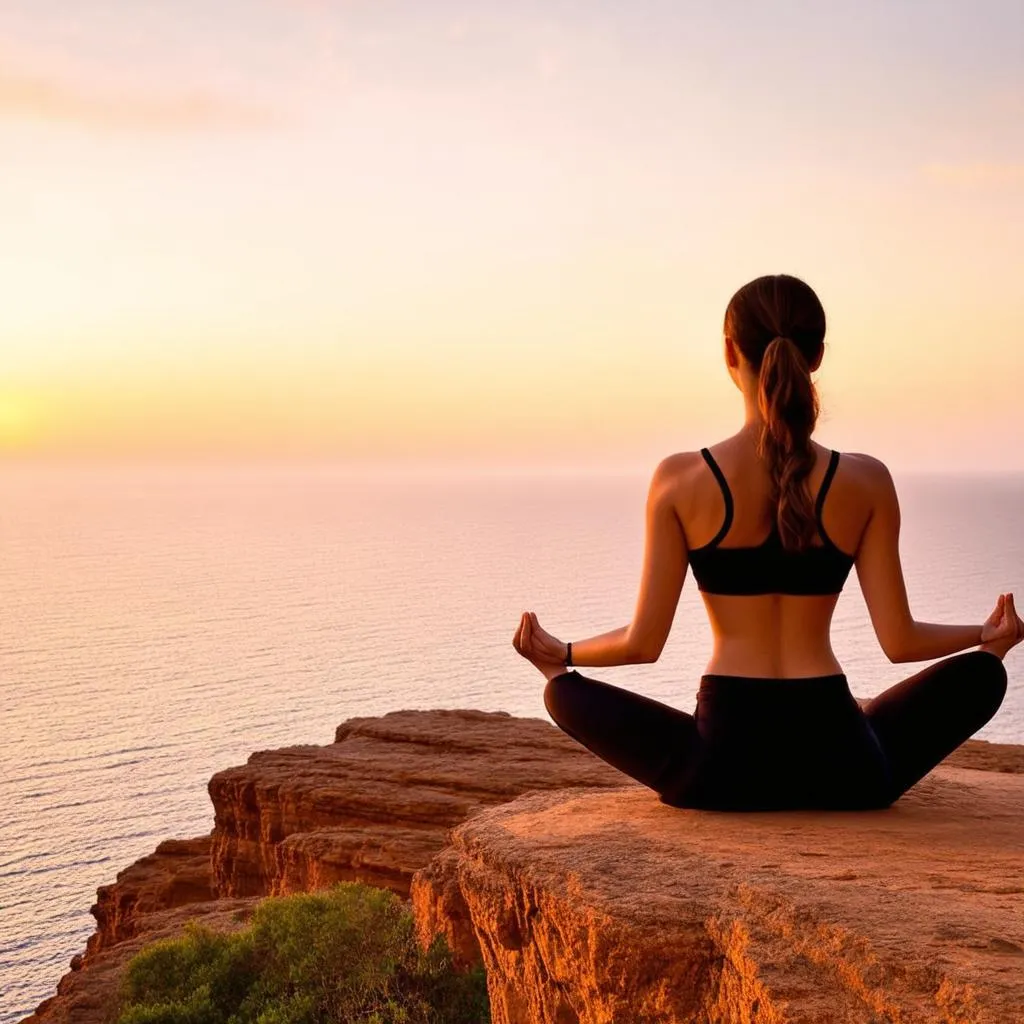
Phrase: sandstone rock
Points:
(87, 995)
(988, 757)
(177, 873)
(376, 804)
(611, 907)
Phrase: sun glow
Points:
(500, 231)
(21, 420)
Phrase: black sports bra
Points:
(768, 568)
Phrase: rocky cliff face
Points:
(373, 806)
(86, 994)
(611, 908)
(177, 873)
(378, 804)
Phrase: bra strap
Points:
(827, 482)
(726, 494)
(823, 490)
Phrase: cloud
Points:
(42, 98)
(976, 174)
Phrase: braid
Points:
(789, 406)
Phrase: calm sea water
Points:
(159, 624)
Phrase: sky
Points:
(503, 233)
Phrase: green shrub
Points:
(345, 955)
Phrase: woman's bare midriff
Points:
(781, 636)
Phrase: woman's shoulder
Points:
(870, 470)
(675, 480)
(677, 468)
(864, 484)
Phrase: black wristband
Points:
(568, 654)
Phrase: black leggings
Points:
(769, 744)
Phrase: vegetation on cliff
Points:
(344, 955)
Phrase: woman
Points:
(771, 523)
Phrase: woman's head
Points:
(777, 325)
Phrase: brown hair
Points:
(778, 323)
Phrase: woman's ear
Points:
(731, 355)
(732, 361)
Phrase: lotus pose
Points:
(771, 523)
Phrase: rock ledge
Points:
(611, 908)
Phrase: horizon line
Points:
(391, 466)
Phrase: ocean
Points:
(161, 623)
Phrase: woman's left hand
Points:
(539, 647)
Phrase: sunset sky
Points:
(439, 230)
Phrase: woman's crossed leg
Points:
(925, 717)
(631, 732)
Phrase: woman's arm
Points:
(664, 570)
(880, 572)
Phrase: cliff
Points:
(377, 805)
(86, 993)
(177, 873)
(611, 908)
(373, 806)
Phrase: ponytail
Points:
(788, 403)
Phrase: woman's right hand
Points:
(1003, 629)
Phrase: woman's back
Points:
(775, 632)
